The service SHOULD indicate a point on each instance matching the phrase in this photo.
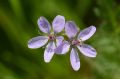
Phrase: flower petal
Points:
(87, 33)
(37, 42)
(59, 40)
(44, 25)
(87, 50)
(71, 29)
(58, 23)
(49, 52)
(74, 59)
(62, 48)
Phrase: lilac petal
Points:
(58, 23)
(59, 40)
(87, 50)
(74, 59)
(44, 25)
(87, 33)
(49, 52)
(71, 29)
(37, 42)
(62, 48)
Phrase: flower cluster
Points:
(56, 44)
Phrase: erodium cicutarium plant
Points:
(60, 45)
(75, 42)
(50, 36)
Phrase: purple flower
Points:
(76, 42)
(50, 38)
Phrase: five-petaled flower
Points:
(50, 38)
(75, 43)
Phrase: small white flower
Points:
(75, 43)
(51, 36)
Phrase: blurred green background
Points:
(18, 24)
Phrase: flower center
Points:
(76, 42)
(51, 37)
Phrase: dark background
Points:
(18, 24)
